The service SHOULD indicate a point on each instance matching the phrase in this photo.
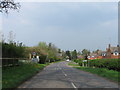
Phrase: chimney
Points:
(109, 46)
(117, 45)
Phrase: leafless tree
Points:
(6, 5)
(11, 37)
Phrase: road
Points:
(60, 75)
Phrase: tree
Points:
(85, 52)
(74, 54)
(43, 45)
(63, 54)
(68, 54)
(11, 37)
(59, 50)
(52, 51)
(79, 53)
(6, 5)
(96, 51)
(2, 38)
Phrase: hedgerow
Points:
(112, 64)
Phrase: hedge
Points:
(112, 64)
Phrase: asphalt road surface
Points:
(60, 75)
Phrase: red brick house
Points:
(110, 53)
(113, 52)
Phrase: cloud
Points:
(68, 0)
(68, 25)
(110, 23)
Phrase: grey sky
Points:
(67, 25)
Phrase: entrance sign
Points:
(84, 60)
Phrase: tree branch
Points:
(6, 5)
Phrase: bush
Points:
(111, 64)
(42, 59)
(52, 59)
(79, 61)
(12, 50)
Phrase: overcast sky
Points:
(67, 25)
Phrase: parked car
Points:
(67, 60)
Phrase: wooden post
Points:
(86, 64)
(30, 56)
(83, 64)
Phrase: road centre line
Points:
(73, 85)
(65, 74)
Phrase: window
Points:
(116, 53)
(103, 54)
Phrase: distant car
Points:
(67, 60)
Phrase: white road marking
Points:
(65, 74)
(73, 85)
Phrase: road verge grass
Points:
(103, 72)
(57, 61)
(14, 76)
(73, 64)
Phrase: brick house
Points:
(95, 55)
(112, 52)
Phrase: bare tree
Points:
(6, 5)
(2, 38)
(11, 37)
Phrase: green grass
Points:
(109, 74)
(14, 76)
(72, 64)
(103, 72)
(57, 61)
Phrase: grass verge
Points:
(103, 72)
(73, 64)
(57, 61)
(14, 76)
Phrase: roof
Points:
(100, 52)
(114, 49)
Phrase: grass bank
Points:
(14, 76)
(103, 72)
(57, 61)
(73, 64)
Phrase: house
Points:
(92, 56)
(112, 52)
(104, 54)
(80, 57)
(95, 55)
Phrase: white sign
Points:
(84, 60)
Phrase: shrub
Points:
(112, 64)
(79, 61)
(12, 50)
(42, 59)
